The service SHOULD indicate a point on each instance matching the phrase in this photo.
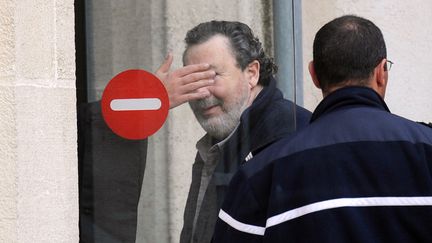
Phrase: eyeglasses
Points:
(388, 65)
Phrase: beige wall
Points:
(408, 34)
(38, 157)
(8, 144)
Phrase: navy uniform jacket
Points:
(357, 173)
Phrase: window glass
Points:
(147, 190)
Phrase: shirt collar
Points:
(206, 145)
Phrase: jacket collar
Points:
(349, 97)
(258, 107)
(254, 131)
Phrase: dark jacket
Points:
(269, 118)
(357, 173)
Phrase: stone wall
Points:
(38, 145)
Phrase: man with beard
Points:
(243, 112)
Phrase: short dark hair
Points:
(347, 48)
(245, 46)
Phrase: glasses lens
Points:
(389, 65)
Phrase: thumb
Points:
(166, 65)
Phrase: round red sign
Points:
(135, 104)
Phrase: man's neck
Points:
(254, 93)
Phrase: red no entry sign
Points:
(135, 104)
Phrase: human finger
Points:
(186, 70)
(166, 64)
(174, 102)
(194, 86)
(197, 76)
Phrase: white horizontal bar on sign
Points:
(142, 104)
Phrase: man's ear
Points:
(380, 77)
(382, 73)
(253, 73)
(312, 73)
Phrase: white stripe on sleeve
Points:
(247, 228)
(324, 205)
(347, 202)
